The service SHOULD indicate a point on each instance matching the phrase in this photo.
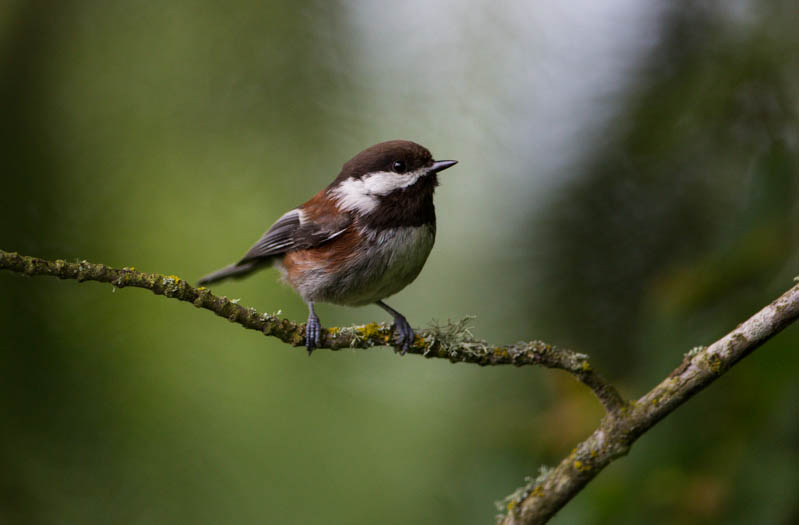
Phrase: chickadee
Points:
(363, 238)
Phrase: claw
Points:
(313, 330)
(405, 334)
(401, 327)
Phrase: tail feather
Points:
(233, 271)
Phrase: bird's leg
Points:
(405, 333)
(312, 329)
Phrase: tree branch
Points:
(453, 341)
(543, 497)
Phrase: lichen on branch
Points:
(541, 498)
(452, 341)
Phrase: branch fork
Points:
(539, 500)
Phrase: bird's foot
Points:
(313, 330)
(405, 335)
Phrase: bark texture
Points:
(539, 500)
(452, 341)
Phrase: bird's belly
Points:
(386, 263)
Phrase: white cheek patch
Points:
(362, 194)
(385, 182)
(352, 196)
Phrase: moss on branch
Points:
(452, 341)
(543, 496)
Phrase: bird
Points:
(363, 238)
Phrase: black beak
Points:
(441, 165)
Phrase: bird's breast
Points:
(390, 260)
(400, 250)
(380, 264)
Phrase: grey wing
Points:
(278, 239)
(292, 232)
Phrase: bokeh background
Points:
(628, 186)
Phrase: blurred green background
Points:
(628, 185)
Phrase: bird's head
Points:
(395, 170)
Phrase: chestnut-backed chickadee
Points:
(363, 238)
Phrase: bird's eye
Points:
(399, 166)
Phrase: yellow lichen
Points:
(500, 352)
(370, 330)
(580, 466)
(715, 364)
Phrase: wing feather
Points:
(293, 232)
